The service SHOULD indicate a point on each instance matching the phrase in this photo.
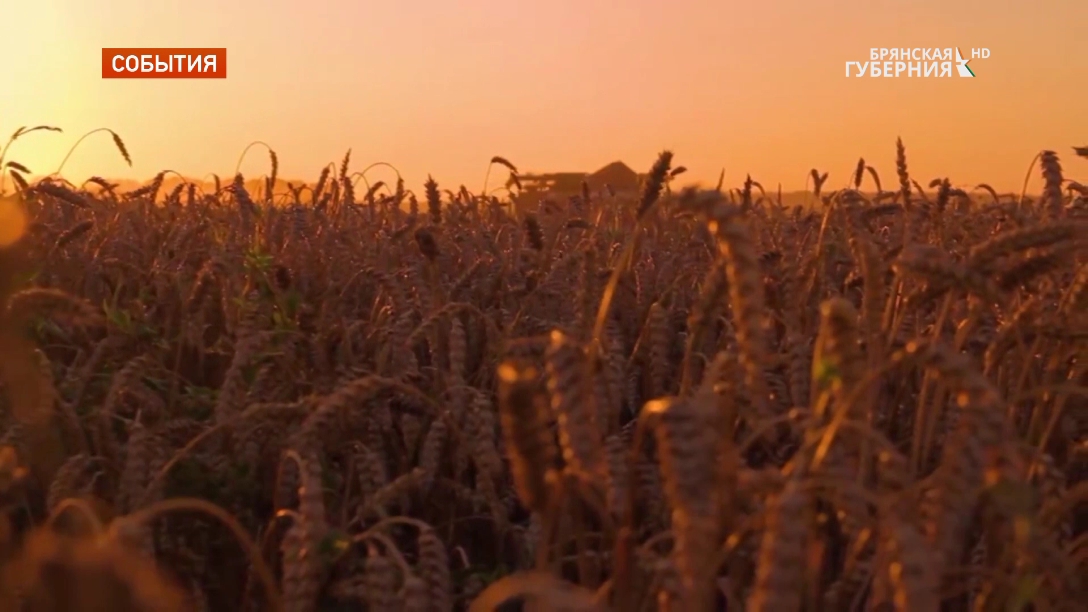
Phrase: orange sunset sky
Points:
(439, 87)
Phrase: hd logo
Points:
(961, 64)
(913, 62)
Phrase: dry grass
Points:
(683, 402)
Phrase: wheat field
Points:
(334, 398)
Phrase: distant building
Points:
(616, 175)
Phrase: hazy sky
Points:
(441, 86)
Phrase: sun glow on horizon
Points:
(435, 89)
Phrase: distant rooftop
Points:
(617, 174)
